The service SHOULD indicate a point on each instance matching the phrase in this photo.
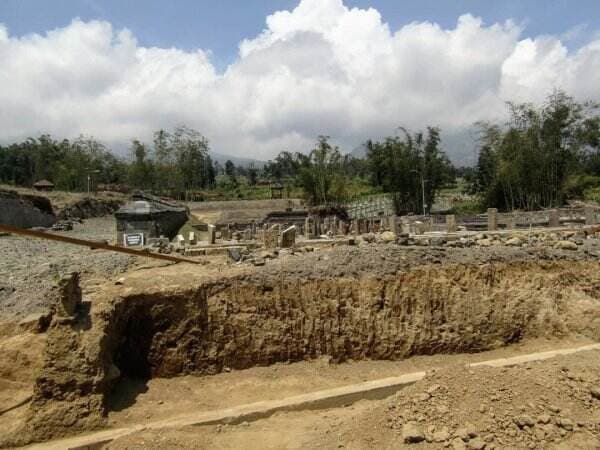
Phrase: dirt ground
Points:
(551, 404)
(545, 404)
(135, 401)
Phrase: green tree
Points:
(322, 176)
(528, 163)
(141, 172)
(410, 167)
(252, 175)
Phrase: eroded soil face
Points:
(372, 302)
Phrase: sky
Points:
(257, 77)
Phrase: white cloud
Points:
(322, 68)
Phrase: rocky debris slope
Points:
(25, 211)
(89, 207)
(30, 266)
(537, 405)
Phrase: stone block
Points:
(288, 237)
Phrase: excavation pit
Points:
(376, 303)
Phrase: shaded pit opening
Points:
(132, 354)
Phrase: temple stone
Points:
(405, 226)
(451, 223)
(288, 237)
(271, 236)
(226, 233)
(69, 293)
(590, 215)
(553, 220)
(393, 224)
(211, 234)
(511, 223)
(492, 219)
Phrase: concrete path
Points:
(329, 398)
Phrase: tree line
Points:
(543, 155)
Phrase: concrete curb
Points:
(329, 398)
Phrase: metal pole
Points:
(423, 191)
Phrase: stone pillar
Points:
(405, 225)
(212, 235)
(393, 224)
(354, 227)
(590, 215)
(492, 219)
(512, 222)
(334, 226)
(307, 233)
(192, 238)
(451, 223)
(553, 219)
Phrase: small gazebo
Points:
(43, 185)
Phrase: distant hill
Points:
(238, 161)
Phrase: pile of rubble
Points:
(563, 240)
(66, 224)
(461, 409)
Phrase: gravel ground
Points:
(30, 267)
